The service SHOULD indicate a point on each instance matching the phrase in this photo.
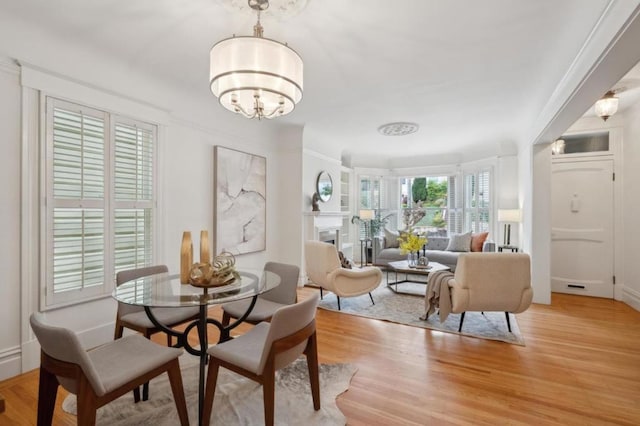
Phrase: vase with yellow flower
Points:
(410, 244)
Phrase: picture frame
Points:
(240, 201)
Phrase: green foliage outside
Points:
(433, 194)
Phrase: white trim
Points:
(30, 206)
(320, 156)
(9, 66)
(65, 88)
(10, 362)
(631, 297)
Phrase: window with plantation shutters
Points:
(133, 194)
(477, 201)
(99, 200)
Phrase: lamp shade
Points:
(366, 214)
(243, 69)
(509, 215)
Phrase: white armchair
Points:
(324, 269)
(491, 282)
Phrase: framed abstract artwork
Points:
(240, 201)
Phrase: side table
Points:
(366, 251)
(513, 249)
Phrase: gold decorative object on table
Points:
(204, 247)
(221, 271)
(186, 257)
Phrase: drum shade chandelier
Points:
(607, 105)
(255, 76)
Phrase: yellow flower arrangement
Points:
(410, 242)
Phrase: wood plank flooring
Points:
(580, 366)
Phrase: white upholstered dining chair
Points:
(266, 348)
(269, 302)
(100, 375)
(135, 318)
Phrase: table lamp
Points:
(508, 216)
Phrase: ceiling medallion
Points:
(278, 9)
(256, 76)
(399, 128)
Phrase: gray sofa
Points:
(434, 250)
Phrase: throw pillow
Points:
(460, 242)
(477, 241)
(391, 239)
(344, 262)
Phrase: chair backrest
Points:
(493, 281)
(285, 322)
(63, 345)
(132, 274)
(284, 293)
(320, 259)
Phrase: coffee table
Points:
(403, 267)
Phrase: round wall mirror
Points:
(324, 186)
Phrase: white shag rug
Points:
(409, 308)
(238, 401)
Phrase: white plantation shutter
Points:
(133, 194)
(454, 208)
(99, 200)
(477, 201)
(76, 208)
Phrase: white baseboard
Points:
(10, 362)
(632, 298)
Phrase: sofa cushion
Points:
(460, 242)
(437, 243)
(477, 241)
(391, 239)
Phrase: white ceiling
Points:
(474, 75)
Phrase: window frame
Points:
(477, 209)
(51, 300)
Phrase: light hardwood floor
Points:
(580, 366)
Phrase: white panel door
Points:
(582, 228)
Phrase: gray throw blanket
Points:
(437, 295)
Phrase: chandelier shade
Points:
(607, 106)
(256, 76)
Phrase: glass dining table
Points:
(165, 290)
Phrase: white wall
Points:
(9, 220)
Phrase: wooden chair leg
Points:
(312, 364)
(145, 386)
(226, 318)
(118, 331)
(47, 392)
(461, 321)
(86, 402)
(136, 394)
(169, 340)
(508, 322)
(268, 392)
(175, 378)
(210, 391)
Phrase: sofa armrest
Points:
(489, 246)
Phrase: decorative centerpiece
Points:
(410, 244)
(221, 271)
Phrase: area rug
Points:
(238, 401)
(408, 308)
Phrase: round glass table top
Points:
(165, 290)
